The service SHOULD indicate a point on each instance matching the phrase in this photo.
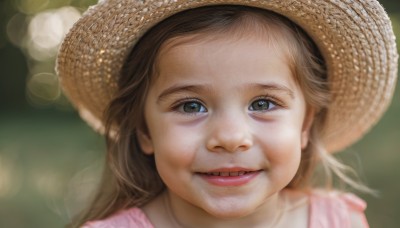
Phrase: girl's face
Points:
(226, 123)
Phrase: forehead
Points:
(214, 60)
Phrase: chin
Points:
(230, 212)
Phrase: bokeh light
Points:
(40, 39)
(47, 29)
(16, 29)
(43, 88)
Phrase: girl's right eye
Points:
(191, 107)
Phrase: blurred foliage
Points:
(49, 158)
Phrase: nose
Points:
(229, 133)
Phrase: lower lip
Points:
(227, 181)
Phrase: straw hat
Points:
(354, 36)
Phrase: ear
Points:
(145, 142)
(307, 123)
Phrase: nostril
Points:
(229, 144)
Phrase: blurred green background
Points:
(49, 158)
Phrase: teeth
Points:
(233, 173)
(224, 174)
(227, 174)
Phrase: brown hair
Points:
(130, 177)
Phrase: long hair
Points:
(130, 177)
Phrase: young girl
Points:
(216, 112)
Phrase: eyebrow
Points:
(181, 88)
(199, 88)
(271, 86)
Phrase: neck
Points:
(184, 214)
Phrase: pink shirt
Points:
(327, 210)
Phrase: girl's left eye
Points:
(262, 105)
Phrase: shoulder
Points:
(337, 198)
(133, 217)
(337, 209)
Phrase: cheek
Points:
(282, 144)
(175, 145)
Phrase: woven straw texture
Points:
(354, 36)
